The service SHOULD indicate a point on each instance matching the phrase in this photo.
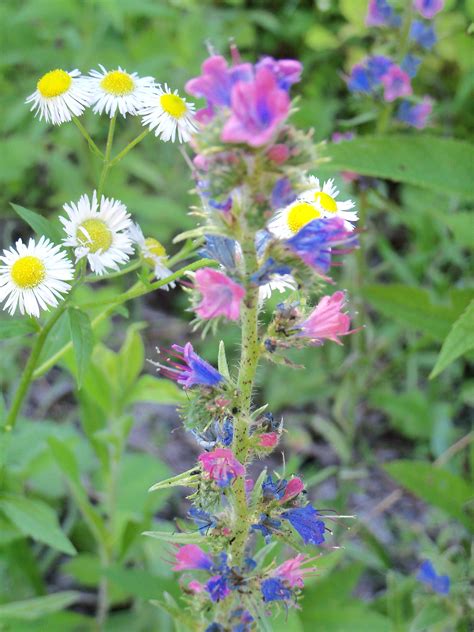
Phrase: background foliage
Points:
(373, 433)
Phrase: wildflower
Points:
(428, 8)
(192, 557)
(293, 488)
(222, 249)
(315, 243)
(274, 589)
(195, 586)
(423, 34)
(379, 13)
(267, 525)
(396, 84)
(278, 153)
(271, 489)
(153, 253)
(286, 71)
(415, 114)
(438, 583)
(215, 84)
(220, 295)
(258, 108)
(326, 321)
(221, 466)
(194, 371)
(291, 572)
(168, 114)
(304, 520)
(33, 276)
(324, 198)
(359, 80)
(268, 440)
(59, 96)
(217, 588)
(118, 91)
(378, 66)
(99, 233)
(215, 627)
(410, 65)
(203, 520)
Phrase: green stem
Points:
(250, 353)
(87, 137)
(108, 151)
(92, 278)
(130, 146)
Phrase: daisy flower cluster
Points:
(271, 226)
(62, 95)
(381, 76)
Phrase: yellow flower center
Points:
(174, 105)
(28, 272)
(155, 249)
(118, 83)
(327, 202)
(300, 215)
(54, 83)
(94, 234)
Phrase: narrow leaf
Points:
(38, 223)
(460, 340)
(9, 328)
(222, 365)
(30, 609)
(176, 538)
(82, 340)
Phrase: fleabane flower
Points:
(118, 90)
(221, 466)
(220, 295)
(327, 321)
(98, 232)
(192, 557)
(324, 198)
(168, 115)
(190, 370)
(154, 254)
(33, 276)
(59, 96)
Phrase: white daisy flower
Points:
(118, 90)
(154, 253)
(280, 282)
(98, 233)
(289, 220)
(34, 276)
(167, 113)
(324, 199)
(59, 96)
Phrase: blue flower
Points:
(359, 80)
(423, 34)
(427, 575)
(194, 370)
(269, 268)
(267, 526)
(215, 627)
(380, 13)
(226, 433)
(203, 520)
(275, 590)
(315, 241)
(217, 588)
(271, 490)
(305, 521)
(282, 193)
(410, 65)
(415, 114)
(378, 66)
(222, 249)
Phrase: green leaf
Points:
(434, 485)
(461, 225)
(411, 306)
(222, 365)
(9, 328)
(460, 340)
(175, 538)
(82, 340)
(30, 609)
(156, 390)
(333, 436)
(36, 519)
(439, 164)
(131, 356)
(38, 223)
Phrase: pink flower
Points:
(396, 83)
(268, 439)
(279, 153)
(222, 466)
(326, 321)
(428, 8)
(295, 486)
(192, 557)
(249, 485)
(258, 107)
(220, 295)
(291, 571)
(195, 586)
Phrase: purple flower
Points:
(202, 519)
(192, 557)
(282, 193)
(378, 66)
(267, 526)
(267, 271)
(427, 575)
(286, 71)
(215, 84)
(428, 8)
(274, 589)
(423, 34)
(215, 627)
(396, 84)
(415, 114)
(222, 249)
(359, 80)
(221, 466)
(192, 369)
(379, 13)
(258, 108)
(305, 521)
(410, 65)
(217, 588)
(315, 241)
